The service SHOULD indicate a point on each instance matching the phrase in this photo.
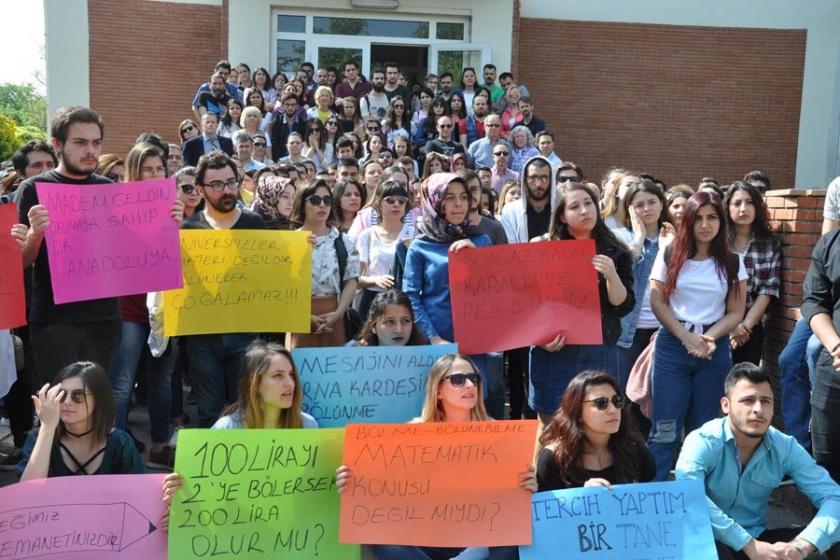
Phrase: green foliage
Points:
(26, 133)
(9, 140)
(23, 104)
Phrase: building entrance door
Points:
(413, 59)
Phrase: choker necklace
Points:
(66, 431)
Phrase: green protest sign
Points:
(257, 494)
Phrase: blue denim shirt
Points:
(737, 496)
(641, 278)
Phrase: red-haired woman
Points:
(698, 293)
(591, 439)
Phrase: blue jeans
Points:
(123, 370)
(797, 363)
(627, 356)
(494, 400)
(686, 394)
(551, 372)
(215, 361)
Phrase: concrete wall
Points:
(818, 120)
(68, 74)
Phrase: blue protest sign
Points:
(365, 384)
(653, 521)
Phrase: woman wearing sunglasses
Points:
(397, 122)
(187, 129)
(591, 439)
(316, 147)
(335, 268)
(453, 394)
(378, 244)
(76, 435)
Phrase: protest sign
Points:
(438, 484)
(105, 517)
(12, 300)
(369, 384)
(112, 239)
(528, 292)
(257, 494)
(653, 521)
(241, 281)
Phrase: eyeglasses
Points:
(311, 130)
(445, 125)
(77, 396)
(187, 188)
(332, 123)
(188, 128)
(231, 185)
(260, 144)
(316, 200)
(566, 179)
(115, 177)
(395, 199)
(460, 379)
(372, 128)
(501, 153)
(399, 106)
(601, 403)
(539, 178)
(491, 125)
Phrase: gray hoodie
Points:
(514, 218)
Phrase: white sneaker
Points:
(173, 441)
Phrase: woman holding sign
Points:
(453, 394)
(553, 365)
(335, 268)
(591, 440)
(76, 436)
(697, 291)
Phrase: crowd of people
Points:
(389, 179)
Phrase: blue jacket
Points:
(737, 496)
(641, 283)
(426, 281)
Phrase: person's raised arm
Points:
(48, 408)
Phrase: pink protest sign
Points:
(112, 239)
(114, 516)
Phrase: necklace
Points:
(66, 431)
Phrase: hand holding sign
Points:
(530, 292)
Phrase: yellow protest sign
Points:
(241, 281)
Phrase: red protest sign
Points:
(510, 296)
(12, 302)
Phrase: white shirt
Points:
(378, 254)
(700, 294)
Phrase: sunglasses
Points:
(316, 200)
(395, 199)
(260, 144)
(566, 179)
(332, 123)
(188, 128)
(372, 129)
(601, 403)
(445, 125)
(460, 379)
(501, 153)
(187, 189)
(77, 396)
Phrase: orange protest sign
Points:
(528, 292)
(437, 484)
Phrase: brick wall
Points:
(146, 61)
(679, 102)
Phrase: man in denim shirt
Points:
(741, 460)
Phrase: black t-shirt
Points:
(213, 104)
(548, 476)
(494, 230)
(537, 221)
(43, 308)
(402, 91)
(448, 149)
(247, 220)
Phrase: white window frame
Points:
(313, 41)
(434, 51)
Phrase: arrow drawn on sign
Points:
(41, 531)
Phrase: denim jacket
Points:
(642, 266)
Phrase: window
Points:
(371, 27)
(290, 55)
(447, 30)
(291, 24)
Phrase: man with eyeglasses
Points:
(261, 149)
(568, 172)
(500, 173)
(444, 144)
(215, 359)
(375, 103)
(175, 160)
(287, 121)
(352, 85)
(208, 142)
(480, 153)
(529, 216)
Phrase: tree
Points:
(9, 140)
(24, 105)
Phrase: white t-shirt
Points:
(831, 210)
(378, 254)
(700, 295)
